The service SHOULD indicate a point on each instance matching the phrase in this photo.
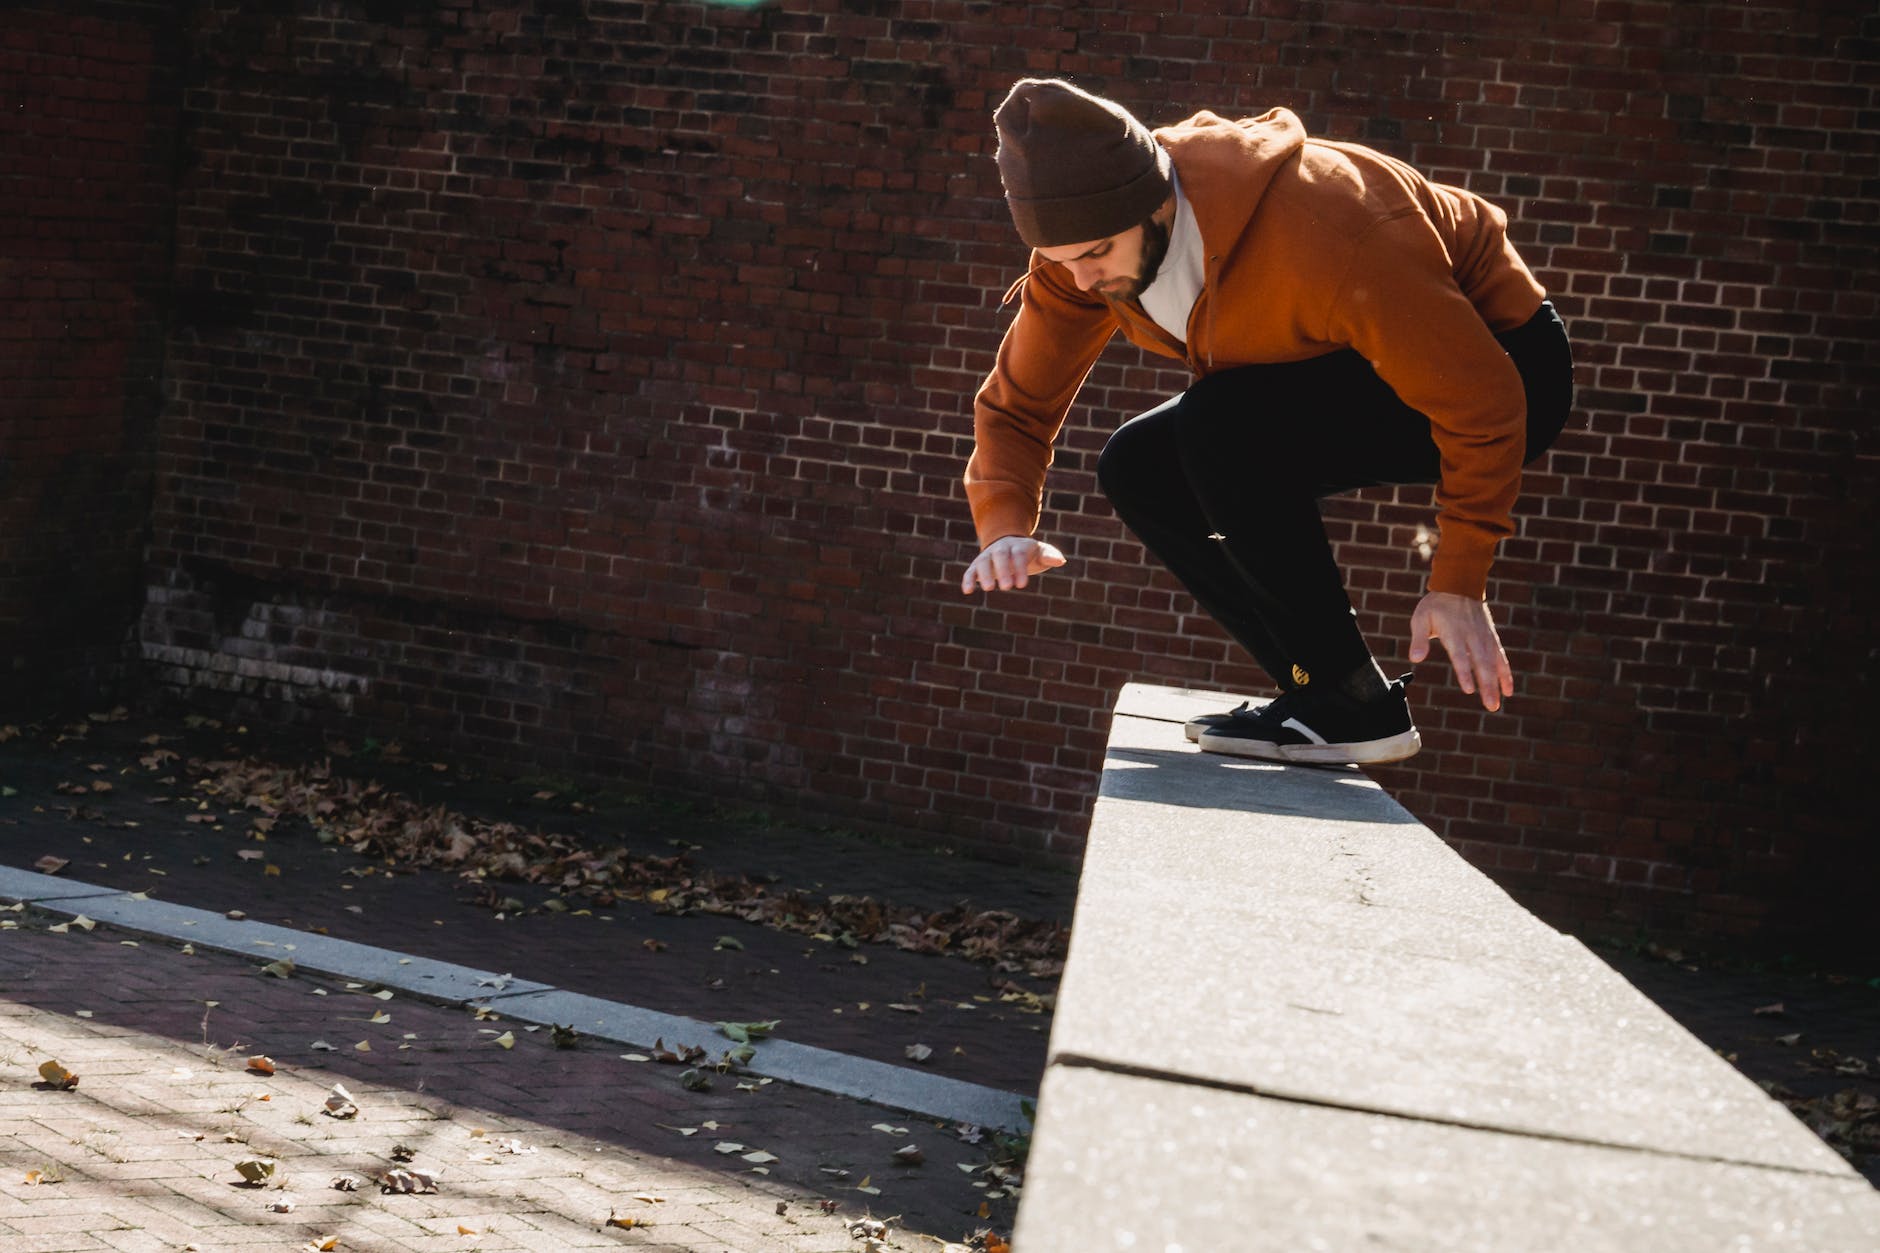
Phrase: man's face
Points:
(1120, 267)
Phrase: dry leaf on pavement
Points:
(57, 1076)
(256, 1171)
(340, 1103)
(412, 1180)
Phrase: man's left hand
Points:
(1468, 635)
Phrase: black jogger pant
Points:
(1222, 483)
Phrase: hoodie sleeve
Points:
(1400, 306)
(1048, 349)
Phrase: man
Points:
(1349, 324)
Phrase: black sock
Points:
(1365, 684)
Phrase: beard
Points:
(1154, 250)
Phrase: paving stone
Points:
(140, 1088)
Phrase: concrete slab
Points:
(1126, 1163)
(1353, 959)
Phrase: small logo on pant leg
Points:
(1299, 675)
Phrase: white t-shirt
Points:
(1170, 299)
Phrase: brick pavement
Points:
(144, 1150)
(151, 832)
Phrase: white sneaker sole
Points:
(1367, 753)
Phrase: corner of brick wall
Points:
(88, 114)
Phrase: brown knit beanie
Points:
(1075, 167)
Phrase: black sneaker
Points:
(1207, 722)
(1320, 728)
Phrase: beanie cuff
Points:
(1052, 223)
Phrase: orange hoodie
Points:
(1311, 246)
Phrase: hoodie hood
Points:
(1226, 166)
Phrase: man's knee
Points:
(1139, 455)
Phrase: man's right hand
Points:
(1008, 563)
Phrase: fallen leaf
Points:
(58, 1076)
(466, 1231)
(918, 1052)
(318, 1245)
(507, 1039)
(256, 1170)
(281, 969)
(50, 864)
(695, 1080)
(1776, 1010)
(340, 1104)
(283, 1206)
(402, 1180)
(727, 1146)
(909, 1155)
(261, 1065)
(745, 1032)
(760, 1158)
(615, 1220)
(729, 942)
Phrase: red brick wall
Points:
(87, 122)
(586, 384)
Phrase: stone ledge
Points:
(1278, 969)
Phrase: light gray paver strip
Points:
(933, 1096)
